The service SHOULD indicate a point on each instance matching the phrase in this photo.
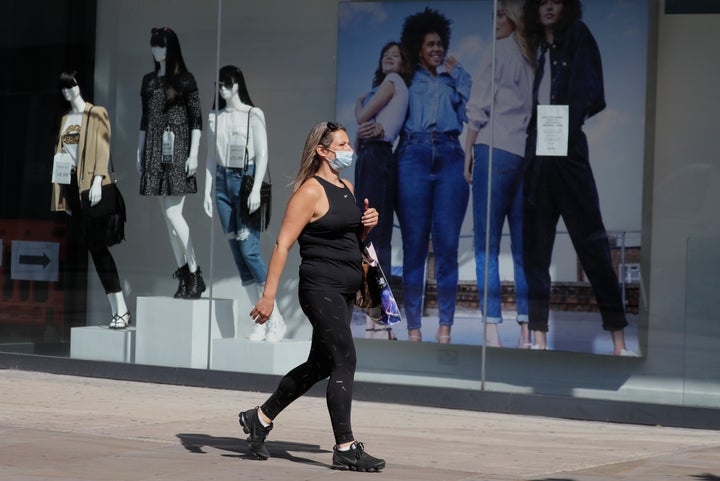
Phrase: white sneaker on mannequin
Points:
(259, 332)
(254, 291)
(277, 328)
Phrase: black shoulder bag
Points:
(104, 223)
(260, 219)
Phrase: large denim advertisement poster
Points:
(504, 151)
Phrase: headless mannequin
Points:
(121, 317)
(172, 206)
(257, 130)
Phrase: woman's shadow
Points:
(239, 447)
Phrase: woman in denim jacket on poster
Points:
(512, 97)
(569, 72)
(432, 191)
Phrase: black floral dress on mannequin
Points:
(164, 174)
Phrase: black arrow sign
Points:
(42, 260)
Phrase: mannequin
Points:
(167, 156)
(225, 165)
(85, 141)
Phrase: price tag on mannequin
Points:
(236, 156)
(62, 168)
(168, 145)
(235, 149)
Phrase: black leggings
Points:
(103, 260)
(332, 353)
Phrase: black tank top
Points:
(329, 246)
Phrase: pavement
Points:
(61, 428)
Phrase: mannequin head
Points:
(230, 76)
(159, 54)
(422, 29)
(165, 38)
(69, 85)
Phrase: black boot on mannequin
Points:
(182, 275)
(195, 285)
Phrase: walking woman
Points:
(322, 216)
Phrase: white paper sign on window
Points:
(552, 126)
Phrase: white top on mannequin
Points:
(159, 54)
(70, 133)
(77, 106)
(223, 123)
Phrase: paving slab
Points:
(62, 428)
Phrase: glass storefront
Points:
(553, 249)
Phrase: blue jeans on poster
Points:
(432, 200)
(506, 201)
(375, 181)
(246, 252)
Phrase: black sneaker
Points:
(356, 459)
(251, 425)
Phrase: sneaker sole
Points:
(346, 467)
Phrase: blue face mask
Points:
(342, 160)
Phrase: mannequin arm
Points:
(95, 193)
(257, 120)
(210, 167)
(140, 152)
(192, 161)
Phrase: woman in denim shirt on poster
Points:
(432, 191)
(513, 67)
(569, 72)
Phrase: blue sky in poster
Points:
(616, 135)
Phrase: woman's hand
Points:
(450, 62)
(262, 310)
(369, 218)
(370, 130)
(467, 171)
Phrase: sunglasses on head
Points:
(330, 127)
(226, 83)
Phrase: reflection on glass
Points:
(498, 113)
(238, 162)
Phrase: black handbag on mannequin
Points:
(104, 222)
(260, 219)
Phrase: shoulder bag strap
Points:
(87, 131)
(247, 142)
